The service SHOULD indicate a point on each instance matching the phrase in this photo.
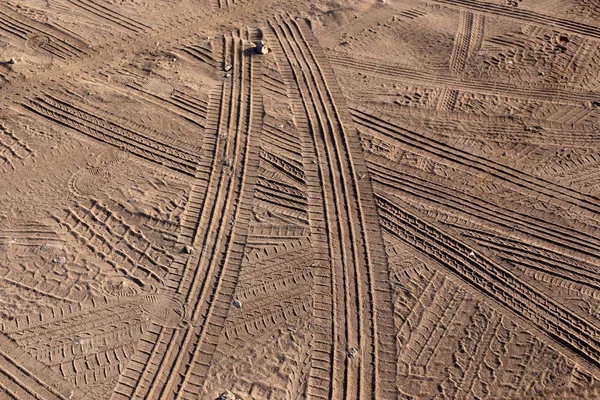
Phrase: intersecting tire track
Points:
(353, 302)
(201, 54)
(210, 274)
(194, 114)
(526, 183)
(24, 383)
(172, 34)
(403, 72)
(112, 16)
(474, 207)
(99, 228)
(341, 216)
(59, 43)
(12, 148)
(280, 195)
(525, 15)
(577, 335)
(284, 166)
(535, 259)
(536, 227)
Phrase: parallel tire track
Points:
(98, 128)
(526, 255)
(527, 184)
(219, 268)
(60, 44)
(19, 375)
(526, 15)
(111, 16)
(403, 72)
(467, 41)
(352, 296)
(209, 276)
(173, 33)
(577, 335)
(534, 258)
(538, 228)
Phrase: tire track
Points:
(12, 148)
(533, 258)
(285, 166)
(89, 344)
(352, 314)
(16, 371)
(58, 43)
(61, 111)
(467, 41)
(530, 255)
(176, 105)
(117, 243)
(179, 26)
(209, 276)
(558, 235)
(527, 184)
(500, 129)
(282, 136)
(280, 194)
(525, 15)
(403, 72)
(213, 291)
(150, 352)
(111, 16)
(575, 334)
(201, 54)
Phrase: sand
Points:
(383, 200)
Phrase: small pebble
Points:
(261, 48)
(237, 304)
(227, 395)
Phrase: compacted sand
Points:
(397, 199)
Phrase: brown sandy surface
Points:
(400, 200)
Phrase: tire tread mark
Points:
(111, 133)
(549, 94)
(110, 15)
(525, 15)
(12, 361)
(389, 127)
(325, 125)
(212, 298)
(62, 42)
(559, 235)
(575, 334)
(467, 41)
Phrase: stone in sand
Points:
(261, 48)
